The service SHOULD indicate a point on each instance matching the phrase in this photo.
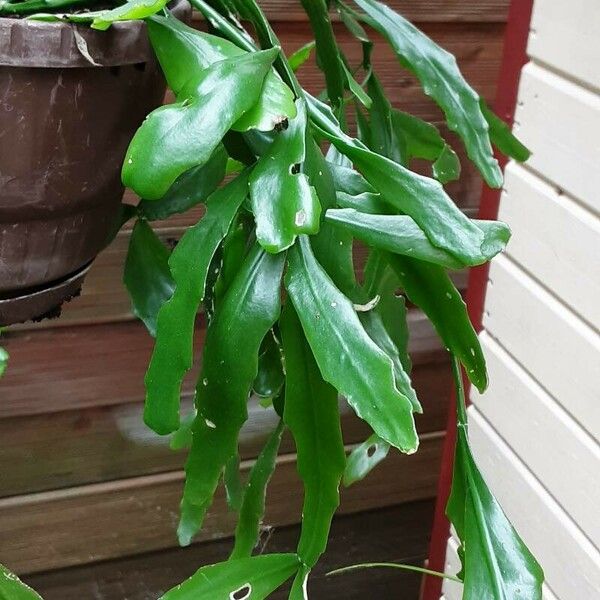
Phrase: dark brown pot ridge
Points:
(71, 99)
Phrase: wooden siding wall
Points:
(536, 433)
(89, 497)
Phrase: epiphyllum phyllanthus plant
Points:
(271, 264)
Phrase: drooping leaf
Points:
(423, 140)
(346, 355)
(270, 378)
(431, 289)
(441, 79)
(131, 10)
(282, 199)
(401, 235)
(252, 508)
(232, 480)
(230, 364)
(251, 578)
(312, 414)
(422, 198)
(189, 264)
(147, 275)
(3, 361)
(190, 188)
(364, 458)
(502, 136)
(182, 50)
(298, 58)
(356, 88)
(496, 563)
(12, 588)
(179, 136)
(356, 29)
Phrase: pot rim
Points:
(26, 43)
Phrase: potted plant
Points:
(271, 265)
(72, 97)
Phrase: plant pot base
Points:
(44, 302)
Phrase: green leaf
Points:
(356, 29)
(131, 10)
(429, 287)
(502, 136)
(423, 140)
(232, 480)
(401, 235)
(3, 361)
(182, 50)
(270, 378)
(252, 509)
(147, 275)
(311, 412)
(241, 579)
(230, 364)
(422, 198)
(190, 188)
(182, 438)
(356, 88)
(364, 458)
(298, 58)
(441, 79)
(346, 355)
(189, 264)
(329, 58)
(12, 588)
(282, 199)
(177, 137)
(496, 563)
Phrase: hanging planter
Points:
(71, 99)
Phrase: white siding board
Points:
(554, 239)
(564, 35)
(554, 448)
(560, 123)
(571, 563)
(560, 351)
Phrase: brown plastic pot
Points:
(71, 99)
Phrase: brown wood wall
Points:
(88, 496)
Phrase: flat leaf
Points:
(429, 287)
(496, 563)
(447, 166)
(252, 509)
(147, 275)
(346, 355)
(356, 89)
(131, 10)
(3, 361)
(298, 58)
(232, 480)
(190, 188)
(12, 588)
(179, 136)
(241, 579)
(502, 137)
(182, 50)
(230, 364)
(422, 198)
(401, 235)
(189, 263)
(364, 458)
(182, 438)
(282, 199)
(312, 414)
(441, 79)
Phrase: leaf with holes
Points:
(179, 136)
(252, 507)
(230, 364)
(147, 275)
(282, 199)
(364, 458)
(312, 414)
(344, 352)
(190, 188)
(189, 263)
(240, 579)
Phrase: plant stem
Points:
(29, 6)
(403, 567)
